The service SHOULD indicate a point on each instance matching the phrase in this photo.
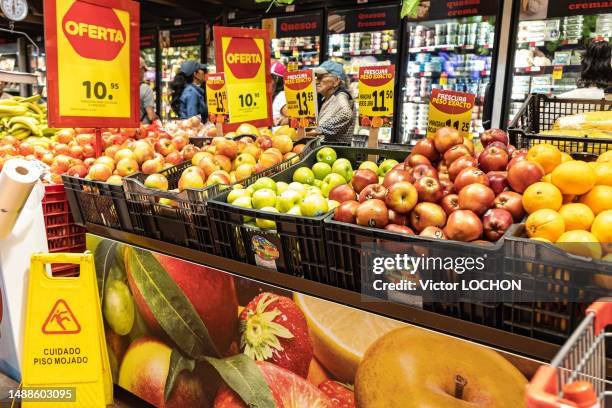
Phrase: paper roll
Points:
(17, 179)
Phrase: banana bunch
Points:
(23, 118)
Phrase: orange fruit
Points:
(547, 178)
(577, 216)
(603, 172)
(602, 229)
(599, 199)
(565, 157)
(548, 156)
(542, 195)
(605, 157)
(546, 224)
(580, 243)
(574, 177)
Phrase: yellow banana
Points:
(13, 110)
(35, 108)
(22, 134)
(30, 123)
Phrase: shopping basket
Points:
(581, 360)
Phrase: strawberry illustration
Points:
(273, 329)
(341, 395)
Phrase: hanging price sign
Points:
(376, 93)
(243, 54)
(216, 95)
(301, 100)
(93, 63)
(450, 109)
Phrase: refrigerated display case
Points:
(548, 50)
(177, 45)
(148, 50)
(447, 53)
(296, 39)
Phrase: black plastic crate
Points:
(98, 203)
(571, 282)
(298, 242)
(540, 112)
(186, 223)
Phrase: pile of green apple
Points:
(314, 191)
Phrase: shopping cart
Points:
(577, 375)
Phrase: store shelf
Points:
(546, 69)
(449, 47)
(483, 73)
(363, 53)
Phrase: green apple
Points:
(313, 190)
(238, 187)
(327, 155)
(234, 194)
(299, 187)
(281, 186)
(321, 170)
(331, 180)
(244, 202)
(266, 224)
(264, 182)
(344, 168)
(263, 198)
(251, 190)
(314, 205)
(287, 199)
(304, 175)
(331, 204)
(386, 166)
(318, 183)
(369, 165)
(295, 211)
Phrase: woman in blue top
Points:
(188, 97)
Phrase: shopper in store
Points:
(188, 97)
(147, 97)
(279, 101)
(336, 120)
(596, 73)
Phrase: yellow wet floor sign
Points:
(65, 362)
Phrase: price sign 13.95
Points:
(301, 100)
(93, 63)
(450, 109)
(376, 95)
(216, 94)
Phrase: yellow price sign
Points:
(243, 54)
(450, 109)
(93, 62)
(216, 95)
(376, 96)
(301, 98)
(558, 72)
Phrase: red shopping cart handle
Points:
(541, 392)
(602, 309)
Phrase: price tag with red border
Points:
(243, 54)
(450, 109)
(216, 95)
(93, 63)
(301, 98)
(376, 96)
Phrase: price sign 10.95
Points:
(301, 100)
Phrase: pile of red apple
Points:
(445, 189)
(192, 127)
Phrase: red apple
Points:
(174, 158)
(86, 139)
(512, 202)
(427, 215)
(423, 170)
(523, 174)
(448, 187)
(520, 152)
(427, 148)
(461, 163)
(498, 181)
(400, 166)
(510, 149)
(493, 159)
(476, 197)
(342, 193)
(450, 203)
(188, 151)
(415, 159)
(165, 146)
(395, 176)
(429, 189)
(442, 169)
(362, 178)
(455, 152)
(152, 166)
(495, 223)
(493, 135)
(100, 172)
(518, 157)
(373, 191)
(227, 148)
(264, 142)
(469, 176)
(373, 213)
(346, 212)
(25, 149)
(397, 218)
(433, 232)
(463, 225)
(499, 145)
(180, 141)
(401, 197)
(447, 137)
(78, 170)
(399, 229)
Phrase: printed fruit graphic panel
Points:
(181, 334)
